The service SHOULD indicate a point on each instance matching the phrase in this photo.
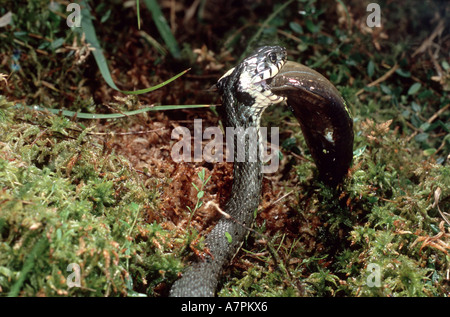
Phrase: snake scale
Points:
(262, 79)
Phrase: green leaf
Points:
(255, 212)
(6, 272)
(425, 126)
(429, 152)
(406, 113)
(58, 234)
(386, 89)
(200, 194)
(415, 106)
(123, 222)
(415, 120)
(421, 137)
(370, 68)
(296, 27)
(359, 151)
(414, 88)
(201, 175)
(57, 43)
(106, 16)
(403, 73)
(228, 236)
(313, 28)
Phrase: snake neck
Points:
(244, 123)
(245, 95)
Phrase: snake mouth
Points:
(265, 84)
(266, 75)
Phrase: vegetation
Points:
(104, 194)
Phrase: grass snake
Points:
(262, 79)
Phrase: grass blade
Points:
(88, 28)
(163, 28)
(138, 14)
(83, 115)
(142, 91)
(28, 265)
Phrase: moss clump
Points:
(381, 234)
(65, 199)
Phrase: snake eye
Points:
(272, 57)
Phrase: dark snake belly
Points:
(262, 79)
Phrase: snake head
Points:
(258, 70)
(264, 64)
(253, 71)
(249, 81)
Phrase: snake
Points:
(262, 79)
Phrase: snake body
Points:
(262, 79)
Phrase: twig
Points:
(431, 119)
(437, 194)
(429, 40)
(381, 79)
(278, 200)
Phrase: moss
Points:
(383, 217)
(63, 202)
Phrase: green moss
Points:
(381, 217)
(63, 202)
